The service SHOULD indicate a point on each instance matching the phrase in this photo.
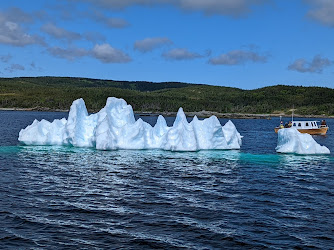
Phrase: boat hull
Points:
(312, 131)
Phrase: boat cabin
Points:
(309, 127)
(305, 124)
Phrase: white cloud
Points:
(60, 33)
(317, 65)
(111, 22)
(107, 54)
(12, 33)
(322, 11)
(220, 7)
(151, 43)
(18, 15)
(103, 52)
(12, 30)
(120, 4)
(69, 53)
(180, 54)
(236, 57)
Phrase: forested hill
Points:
(58, 93)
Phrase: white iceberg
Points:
(114, 127)
(290, 140)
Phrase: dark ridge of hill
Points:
(93, 83)
(59, 92)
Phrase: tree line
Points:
(59, 92)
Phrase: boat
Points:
(309, 127)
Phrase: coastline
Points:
(201, 114)
(206, 114)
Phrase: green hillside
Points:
(59, 92)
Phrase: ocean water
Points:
(65, 197)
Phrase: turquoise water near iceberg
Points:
(65, 197)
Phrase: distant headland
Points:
(146, 98)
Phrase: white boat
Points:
(309, 127)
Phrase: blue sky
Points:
(239, 43)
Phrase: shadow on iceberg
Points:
(114, 127)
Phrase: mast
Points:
(292, 115)
(293, 109)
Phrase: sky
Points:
(246, 44)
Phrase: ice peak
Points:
(119, 112)
(78, 108)
(180, 117)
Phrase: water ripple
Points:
(63, 197)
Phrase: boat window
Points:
(294, 124)
(307, 124)
(299, 124)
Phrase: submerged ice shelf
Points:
(290, 140)
(114, 127)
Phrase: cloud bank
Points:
(209, 7)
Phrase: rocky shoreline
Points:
(205, 114)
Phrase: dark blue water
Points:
(61, 197)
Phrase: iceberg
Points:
(115, 127)
(290, 140)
